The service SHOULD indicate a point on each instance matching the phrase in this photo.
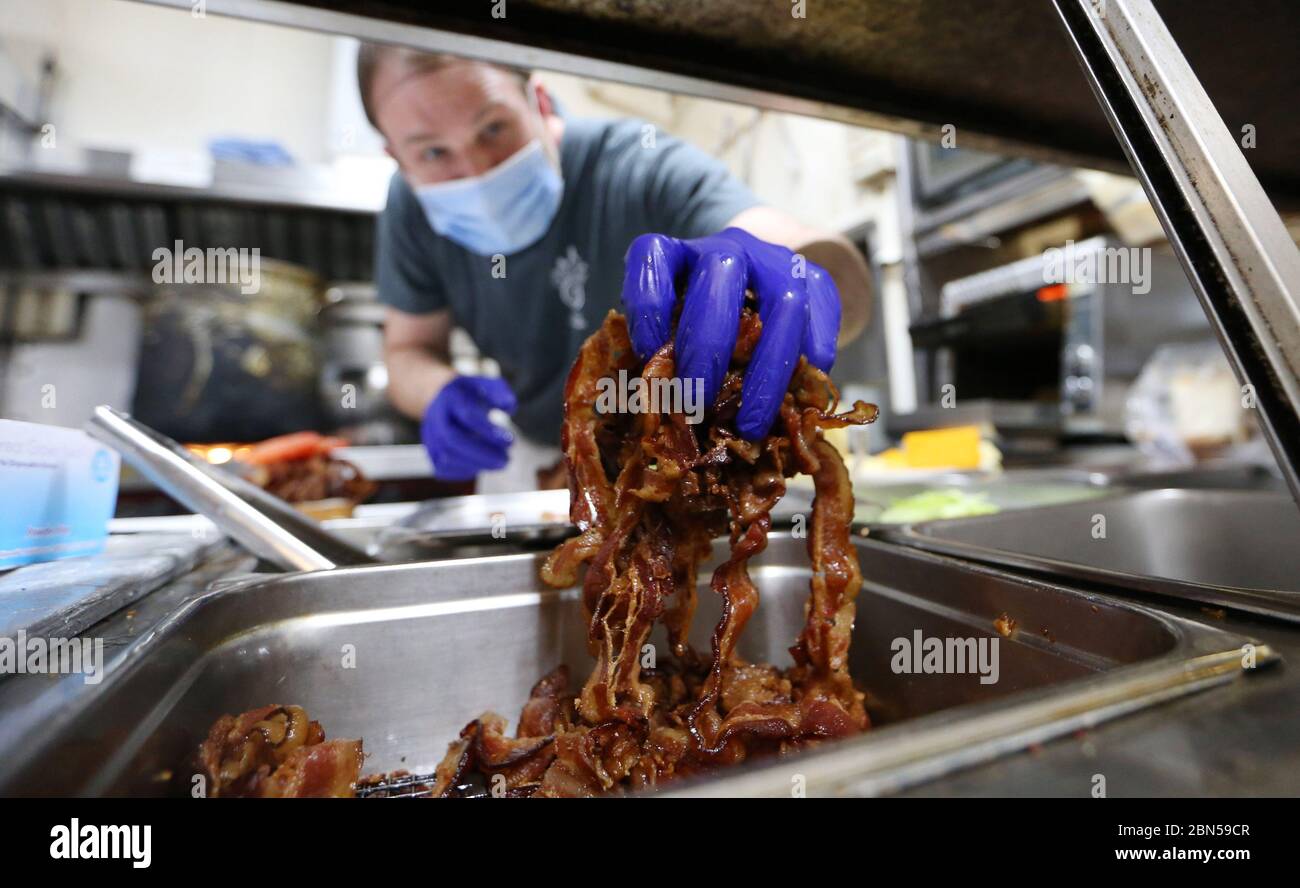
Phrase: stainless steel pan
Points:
(490, 524)
(436, 644)
(500, 523)
(1232, 548)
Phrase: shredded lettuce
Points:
(933, 504)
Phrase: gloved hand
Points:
(456, 431)
(797, 302)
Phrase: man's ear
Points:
(388, 149)
(544, 103)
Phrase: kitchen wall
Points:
(808, 167)
(155, 79)
(159, 81)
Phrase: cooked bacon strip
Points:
(544, 710)
(327, 770)
(590, 494)
(277, 751)
(823, 646)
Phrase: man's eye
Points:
(493, 129)
(431, 153)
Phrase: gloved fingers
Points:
(710, 319)
(457, 432)
(448, 468)
(823, 318)
(472, 418)
(650, 271)
(472, 436)
(454, 461)
(766, 260)
(783, 308)
(459, 452)
(493, 390)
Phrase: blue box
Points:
(58, 489)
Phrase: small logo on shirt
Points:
(570, 277)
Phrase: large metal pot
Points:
(354, 377)
(219, 364)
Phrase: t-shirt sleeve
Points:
(404, 272)
(689, 193)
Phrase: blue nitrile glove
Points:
(456, 431)
(800, 314)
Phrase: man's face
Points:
(459, 120)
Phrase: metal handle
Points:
(1225, 230)
(265, 524)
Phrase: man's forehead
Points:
(467, 85)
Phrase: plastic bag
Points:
(1187, 405)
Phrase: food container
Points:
(486, 524)
(496, 523)
(1231, 548)
(433, 645)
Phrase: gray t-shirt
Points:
(621, 180)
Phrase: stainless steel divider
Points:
(267, 525)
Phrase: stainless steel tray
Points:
(436, 644)
(1233, 548)
(1016, 489)
(494, 524)
(483, 524)
(501, 523)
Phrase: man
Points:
(514, 223)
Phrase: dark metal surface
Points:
(1241, 741)
(446, 526)
(999, 68)
(1232, 548)
(436, 644)
(61, 599)
(1212, 476)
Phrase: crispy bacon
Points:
(590, 493)
(277, 752)
(327, 770)
(649, 493)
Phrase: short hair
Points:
(409, 63)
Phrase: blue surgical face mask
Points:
(504, 210)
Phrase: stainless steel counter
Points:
(276, 640)
(1241, 741)
(1238, 737)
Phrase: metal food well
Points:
(437, 644)
(1231, 548)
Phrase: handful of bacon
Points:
(648, 494)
